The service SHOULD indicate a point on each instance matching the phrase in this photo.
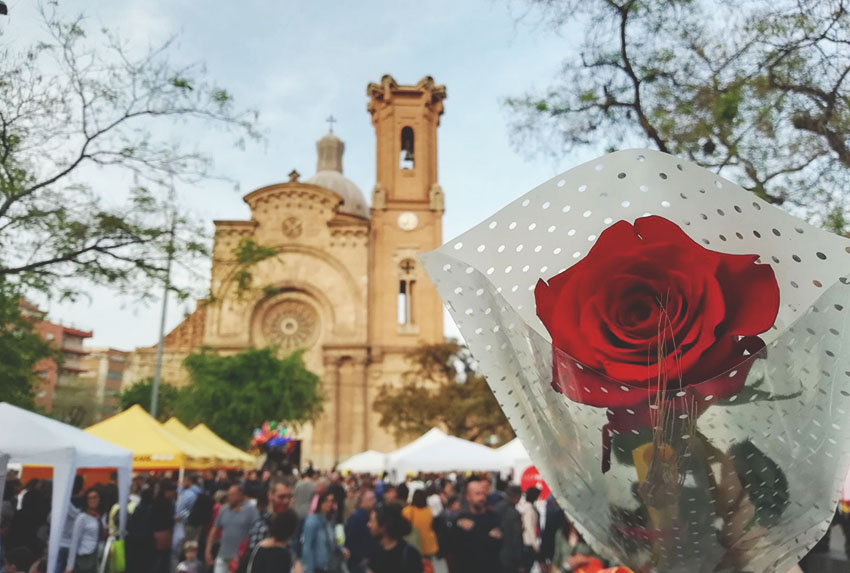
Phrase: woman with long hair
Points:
(319, 550)
(87, 535)
(388, 526)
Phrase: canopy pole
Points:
(4, 468)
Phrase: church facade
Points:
(346, 284)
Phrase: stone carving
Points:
(291, 324)
(292, 227)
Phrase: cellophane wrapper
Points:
(764, 474)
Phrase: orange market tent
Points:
(153, 446)
(176, 427)
(220, 445)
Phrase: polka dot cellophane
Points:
(795, 408)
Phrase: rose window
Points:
(291, 324)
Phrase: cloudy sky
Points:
(299, 61)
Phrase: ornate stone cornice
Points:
(302, 195)
(234, 228)
(349, 232)
(382, 93)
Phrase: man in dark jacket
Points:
(478, 532)
(511, 524)
(358, 538)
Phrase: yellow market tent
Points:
(222, 459)
(153, 446)
(213, 440)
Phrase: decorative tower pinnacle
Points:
(330, 149)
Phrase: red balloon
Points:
(532, 478)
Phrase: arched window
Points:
(406, 283)
(405, 160)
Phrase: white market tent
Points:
(29, 439)
(432, 435)
(444, 454)
(515, 457)
(370, 461)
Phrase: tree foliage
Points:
(72, 403)
(235, 394)
(755, 90)
(442, 389)
(21, 348)
(140, 393)
(76, 105)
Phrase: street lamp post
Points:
(160, 347)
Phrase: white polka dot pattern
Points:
(793, 412)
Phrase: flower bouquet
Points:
(671, 351)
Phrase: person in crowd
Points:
(444, 529)
(190, 563)
(511, 553)
(402, 494)
(76, 507)
(183, 531)
(319, 549)
(322, 485)
(494, 496)
(338, 491)
(358, 539)
(477, 532)
(303, 494)
(554, 522)
(390, 494)
(393, 555)
(19, 560)
(113, 518)
(280, 500)
(272, 555)
(200, 519)
(251, 484)
(162, 519)
(421, 518)
(139, 543)
(530, 527)
(353, 489)
(233, 523)
(29, 517)
(108, 493)
(86, 538)
(434, 499)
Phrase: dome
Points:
(329, 176)
(353, 202)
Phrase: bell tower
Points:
(407, 215)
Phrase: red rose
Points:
(606, 311)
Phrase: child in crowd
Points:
(191, 563)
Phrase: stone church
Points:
(346, 284)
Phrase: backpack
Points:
(202, 510)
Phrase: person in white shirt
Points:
(82, 552)
(530, 526)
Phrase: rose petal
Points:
(751, 293)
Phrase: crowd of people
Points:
(251, 522)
